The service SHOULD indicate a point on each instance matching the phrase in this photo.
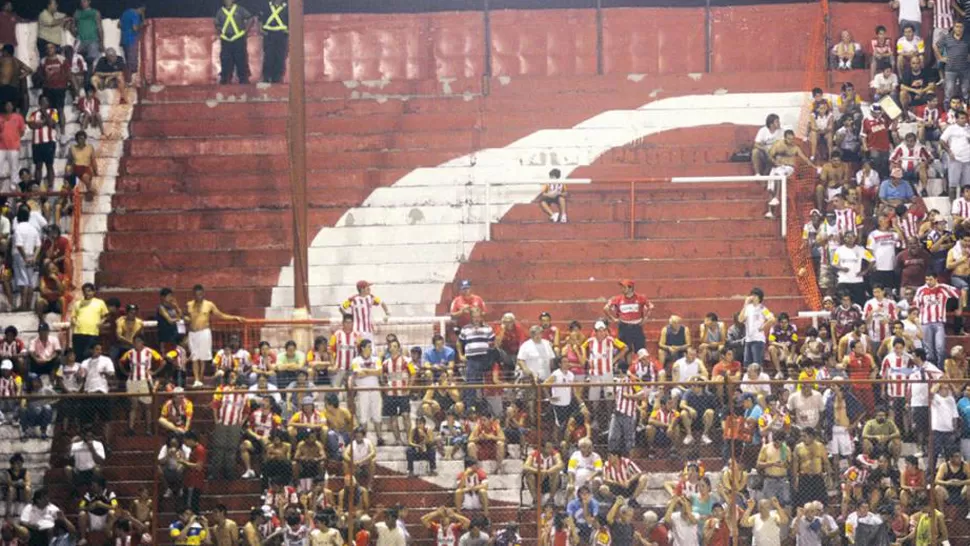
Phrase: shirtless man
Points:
(341, 425)
(82, 162)
(783, 155)
(12, 74)
(198, 312)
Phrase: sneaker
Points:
(706, 440)
(249, 475)
(562, 219)
(167, 494)
(554, 218)
(774, 202)
(197, 385)
(688, 440)
(769, 214)
(918, 454)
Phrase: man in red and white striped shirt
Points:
(623, 424)
(846, 218)
(931, 300)
(942, 19)
(961, 208)
(360, 307)
(44, 122)
(231, 407)
(545, 467)
(261, 423)
(602, 351)
(343, 350)
(913, 158)
(880, 313)
(398, 374)
(624, 477)
(896, 369)
(140, 360)
(908, 221)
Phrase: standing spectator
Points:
(90, 36)
(629, 310)
(955, 141)
(912, 265)
(132, 25)
(535, 357)
(96, 370)
(8, 24)
(475, 342)
(38, 412)
(398, 372)
(603, 351)
(170, 467)
(882, 244)
(882, 434)
(757, 320)
(12, 128)
(86, 319)
(953, 50)
(553, 193)
(361, 452)
(875, 136)
(931, 298)
(421, 447)
(343, 348)
(909, 15)
(232, 21)
(360, 307)
(275, 39)
(462, 305)
(806, 406)
(919, 394)
(681, 521)
(169, 318)
(943, 420)
(82, 159)
(50, 28)
(880, 314)
(623, 422)
(200, 311)
(367, 374)
(231, 408)
(774, 461)
(766, 525)
(194, 475)
(56, 71)
(851, 262)
(960, 211)
(26, 253)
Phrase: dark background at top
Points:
(206, 8)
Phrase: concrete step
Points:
(710, 229)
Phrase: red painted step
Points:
(587, 210)
(682, 287)
(607, 248)
(709, 229)
(200, 240)
(262, 162)
(643, 270)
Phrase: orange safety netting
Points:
(801, 185)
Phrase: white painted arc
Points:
(362, 245)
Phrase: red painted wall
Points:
(554, 43)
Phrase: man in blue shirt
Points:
(583, 509)
(131, 23)
(963, 408)
(439, 357)
(896, 191)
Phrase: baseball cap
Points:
(626, 283)
(465, 283)
(875, 107)
(508, 316)
(815, 212)
(6, 365)
(178, 390)
(600, 325)
(362, 285)
(43, 327)
(307, 400)
(643, 353)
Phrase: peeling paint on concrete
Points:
(156, 88)
(636, 78)
(263, 85)
(468, 96)
(446, 85)
(351, 84)
(505, 80)
(349, 219)
(212, 103)
(220, 96)
(656, 92)
(355, 94)
(415, 216)
(375, 84)
(721, 91)
(696, 76)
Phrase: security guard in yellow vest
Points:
(232, 20)
(275, 41)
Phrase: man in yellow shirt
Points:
(86, 319)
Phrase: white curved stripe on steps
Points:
(417, 220)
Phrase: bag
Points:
(741, 156)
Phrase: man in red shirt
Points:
(472, 487)
(655, 532)
(57, 72)
(12, 128)
(446, 525)
(509, 336)
(464, 302)
(875, 138)
(8, 24)
(629, 309)
(193, 476)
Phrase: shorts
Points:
(10, 93)
(135, 386)
(200, 345)
(14, 493)
(550, 200)
(43, 154)
(81, 170)
(600, 392)
(56, 97)
(131, 56)
(368, 407)
(661, 439)
(83, 478)
(97, 522)
(309, 469)
(396, 406)
(563, 413)
(921, 418)
(53, 306)
(99, 408)
(486, 450)
(841, 442)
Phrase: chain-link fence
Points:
(547, 450)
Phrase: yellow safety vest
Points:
(275, 22)
(230, 30)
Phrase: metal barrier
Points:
(778, 440)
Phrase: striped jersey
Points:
(343, 345)
(910, 158)
(225, 360)
(664, 415)
(600, 353)
(475, 340)
(472, 479)
(846, 221)
(178, 356)
(12, 349)
(177, 412)
(541, 461)
(961, 208)
(932, 302)
(231, 406)
(10, 386)
(303, 417)
(896, 369)
(622, 471)
(623, 395)
(263, 422)
(942, 14)
(880, 316)
(141, 362)
(398, 373)
(909, 224)
(44, 134)
(360, 307)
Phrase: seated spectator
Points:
(674, 340)
(686, 369)
(821, 126)
(194, 475)
(421, 446)
(553, 193)
(264, 364)
(487, 440)
(624, 477)
(277, 466)
(446, 524)
(950, 484)
(584, 465)
(438, 402)
(894, 191)
(784, 156)
(109, 72)
(37, 412)
(176, 414)
(664, 426)
(885, 83)
(697, 410)
(782, 342)
(452, 436)
(362, 452)
(263, 388)
(882, 51)
(542, 472)
(360, 495)
(190, 529)
(15, 484)
(308, 459)
(583, 510)
(439, 357)
(98, 510)
(41, 517)
(909, 46)
(913, 158)
(882, 434)
(260, 425)
(847, 54)
(170, 468)
(289, 364)
(472, 490)
(917, 84)
(516, 425)
(767, 136)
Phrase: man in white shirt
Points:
(561, 398)
(884, 84)
(388, 533)
(943, 419)
(806, 406)
(919, 393)
(584, 465)
(87, 454)
(26, 251)
(766, 137)
(862, 516)
(955, 140)
(909, 14)
(96, 371)
(767, 523)
(40, 516)
(850, 261)
(757, 320)
(535, 356)
(882, 243)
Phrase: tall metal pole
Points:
(297, 152)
